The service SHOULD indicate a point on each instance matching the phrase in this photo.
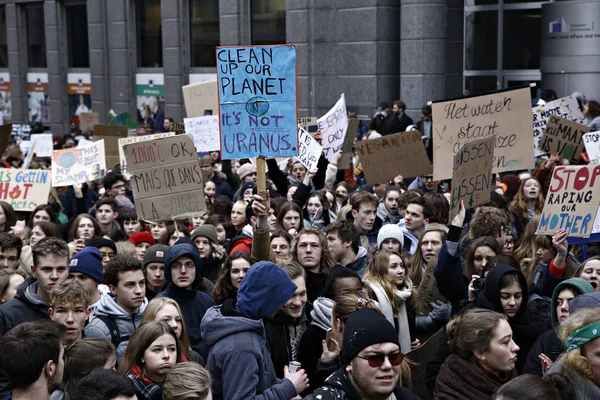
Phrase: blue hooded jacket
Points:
(192, 302)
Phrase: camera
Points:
(478, 284)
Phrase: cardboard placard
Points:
(178, 128)
(309, 124)
(592, 146)
(504, 115)
(564, 137)
(87, 121)
(565, 107)
(201, 99)
(472, 174)
(309, 149)
(398, 154)
(333, 127)
(166, 178)
(78, 164)
(257, 101)
(572, 201)
(24, 189)
(111, 135)
(5, 135)
(346, 160)
(205, 131)
(136, 139)
(44, 144)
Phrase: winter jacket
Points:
(192, 301)
(410, 241)
(386, 217)
(359, 265)
(242, 242)
(222, 187)
(584, 388)
(418, 184)
(311, 347)
(315, 285)
(126, 323)
(211, 267)
(25, 307)
(339, 387)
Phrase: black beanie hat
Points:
(364, 328)
(102, 242)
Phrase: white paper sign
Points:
(205, 131)
(25, 145)
(333, 126)
(44, 146)
(78, 164)
(309, 149)
(591, 141)
(565, 107)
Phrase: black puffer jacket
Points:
(25, 307)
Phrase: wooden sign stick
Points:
(261, 181)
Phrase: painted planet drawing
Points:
(257, 106)
(67, 160)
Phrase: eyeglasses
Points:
(187, 265)
(509, 243)
(376, 361)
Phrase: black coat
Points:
(549, 344)
(309, 353)
(21, 309)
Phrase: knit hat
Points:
(142, 237)
(588, 300)
(245, 170)
(207, 231)
(364, 328)
(390, 231)
(89, 262)
(123, 202)
(101, 242)
(321, 313)
(246, 186)
(156, 254)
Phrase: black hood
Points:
(489, 297)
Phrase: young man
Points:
(50, 267)
(106, 384)
(114, 184)
(309, 249)
(69, 306)
(239, 359)
(142, 242)
(371, 361)
(107, 249)
(401, 121)
(183, 274)
(343, 242)
(418, 212)
(87, 267)
(118, 315)
(106, 213)
(31, 355)
(10, 251)
(154, 269)
(364, 214)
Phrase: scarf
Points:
(321, 313)
(461, 379)
(385, 306)
(145, 386)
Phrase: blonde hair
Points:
(125, 248)
(377, 273)
(327, 262)
(187, 381)
(155, 306)
(575, 359)
(70, 291)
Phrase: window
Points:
(522, 39)
(204, 32)
(481, 40)
(3, 43)
(36, 36)
(77, 36)
(149, 33)
(480, 84)
(268, 21)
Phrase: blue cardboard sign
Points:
(257, 101)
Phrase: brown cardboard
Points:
(87, 121)
(178, 128)
(346, 160)
(565, 137)
(472, 174)
(111, 135)
(398, 154)
(307, 122)
(5, 135)
(201, 97)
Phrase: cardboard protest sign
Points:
(5, 135)
(564, 137)
(399, 154)
(566, 107)
(257, 99)
(309, 149)
(88, 120)
(201, 99)
(205, 131)
(24, 189)
(504, 115)
(572, 201)
(309, 124)
(592, 146)
(333, 127)
(111, 135)
(177, 127)
(346, 159)
(166, 178)
(78, 164)
(44, 144)
(136, 139)
(472, 174)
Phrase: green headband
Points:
(583, 336)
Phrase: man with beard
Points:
(31, 355)
(400, 121)
(418, 212)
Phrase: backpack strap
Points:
(113, 328)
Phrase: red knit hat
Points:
(142, 237)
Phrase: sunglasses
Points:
(375, 361)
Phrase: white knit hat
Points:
(390, 231)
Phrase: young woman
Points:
(387, 279)
(40, 230)
(234, 269)
(210, 190)
(238, 217)
(531, 387)
(590, 271)
(388, 209)
(42, 213)
(174, 235)
(281, 244)
(390, 237)
(290, 218)
(167, 310)
(130, 224)
(429, 246)
(316, 211)
(591, 111)
(341, 190)
(160, 230)
(525, 249)
(9, 283)
(483, 358)
(83, 228)
(528, 203)
(8, 217)
(212, 254)
(187, 381)
(151, 353)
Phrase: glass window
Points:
(148, 19)
(268, 21)
(3, 43)
(77, 36)
(522, 38)
(481, 40)
(480, 84)
(36, 35)
(204, 32)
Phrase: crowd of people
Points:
(323, 289)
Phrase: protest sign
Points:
(30, 152)
(472, 174)
(333, 127)
(566, 107)
(78, 164)
(564, 137)
(21, 131)
(201, 99)
(257, 99)
(177, 127)
(504, 114)
(24, 189)
(5, 135)
(346, 159)
(399, 154)
(111, 135)
(592, 146)
(44, 144)
(166, 178)
(309, 150)
(88, 120)
(572, 201)
(309, 124)
(205, 131)
(136, 139)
